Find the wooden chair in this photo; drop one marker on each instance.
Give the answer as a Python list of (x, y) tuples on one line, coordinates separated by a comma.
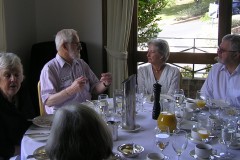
[(41, 106)]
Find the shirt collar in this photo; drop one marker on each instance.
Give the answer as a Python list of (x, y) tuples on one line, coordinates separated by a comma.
[(237, 70), (62, 62)]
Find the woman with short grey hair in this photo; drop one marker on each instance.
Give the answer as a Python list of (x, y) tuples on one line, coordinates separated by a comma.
[(157, 70), (78, 132), (13, 124)]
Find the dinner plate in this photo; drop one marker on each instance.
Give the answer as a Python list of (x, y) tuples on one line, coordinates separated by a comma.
[(162, 96), (187, 125), (43, 121), (89, 104), (192, 154), (40, 154), (220, 103), (114, 156), (137, 128), (39, 137)]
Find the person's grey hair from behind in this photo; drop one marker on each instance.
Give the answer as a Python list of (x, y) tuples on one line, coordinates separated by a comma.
[(11, 61), (235, 41), (162, 47), (65, 36), (78, 132)]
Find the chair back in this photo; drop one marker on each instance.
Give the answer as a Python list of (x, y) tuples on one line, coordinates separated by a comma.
[(41, 106)]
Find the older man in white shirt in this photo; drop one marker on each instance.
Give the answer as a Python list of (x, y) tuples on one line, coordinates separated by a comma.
[(223, 81)]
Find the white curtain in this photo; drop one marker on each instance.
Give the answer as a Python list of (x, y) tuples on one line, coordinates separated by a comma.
[(2, 28), (119, 19)]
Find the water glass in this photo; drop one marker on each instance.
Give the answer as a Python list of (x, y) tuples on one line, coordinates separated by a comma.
[(179, 97), (200, 99), (118, 101), (140, 96), (228, 135), (103, 105), (204, 127), (179, 113)]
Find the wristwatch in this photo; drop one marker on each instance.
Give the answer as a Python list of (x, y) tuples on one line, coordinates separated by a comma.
[(106, 85)]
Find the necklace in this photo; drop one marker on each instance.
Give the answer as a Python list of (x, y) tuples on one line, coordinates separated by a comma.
[(159, 69)]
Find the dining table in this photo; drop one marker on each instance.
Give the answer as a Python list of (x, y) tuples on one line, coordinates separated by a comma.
[(143, 135)]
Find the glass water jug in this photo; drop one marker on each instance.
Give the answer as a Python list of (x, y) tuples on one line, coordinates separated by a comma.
[(167, 116)]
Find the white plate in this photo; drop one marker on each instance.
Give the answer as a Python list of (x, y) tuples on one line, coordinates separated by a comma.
[(43, 121), (187, 125), (220, 103), (162, 96), (89, 104), (192, 154), (39, 137), (137, 128), (115, 156)]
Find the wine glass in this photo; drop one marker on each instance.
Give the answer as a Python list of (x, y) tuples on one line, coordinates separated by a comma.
[(228, 134), (179, 142), (200, 99), (162, 135), (204, 127), (179, 97)]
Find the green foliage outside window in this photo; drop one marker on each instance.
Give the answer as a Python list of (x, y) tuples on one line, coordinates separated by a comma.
[(186, 71), (148, 11)]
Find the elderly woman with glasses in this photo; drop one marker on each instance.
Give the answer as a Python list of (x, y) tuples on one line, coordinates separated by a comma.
[(67, 78), (78, 132), (12, 122), (157, 70), (223, 81)]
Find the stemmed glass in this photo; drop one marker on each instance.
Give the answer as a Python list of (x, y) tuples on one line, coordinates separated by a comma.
[(162, 135), (179, 142), (228, 135), (200, 99), (179, 97)]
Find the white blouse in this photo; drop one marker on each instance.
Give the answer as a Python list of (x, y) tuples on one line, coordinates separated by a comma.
[(169, 79)]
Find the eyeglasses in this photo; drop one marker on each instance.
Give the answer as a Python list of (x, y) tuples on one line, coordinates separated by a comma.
[(78, 44), (223, 50)]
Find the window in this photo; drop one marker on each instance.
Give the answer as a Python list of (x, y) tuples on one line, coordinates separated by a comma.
[(2, 28)]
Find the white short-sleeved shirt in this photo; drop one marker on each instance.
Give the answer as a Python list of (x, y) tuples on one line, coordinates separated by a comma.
[(220, 84), (57, 75)]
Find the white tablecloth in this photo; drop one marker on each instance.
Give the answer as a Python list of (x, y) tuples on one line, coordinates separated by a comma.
[(144, 137)]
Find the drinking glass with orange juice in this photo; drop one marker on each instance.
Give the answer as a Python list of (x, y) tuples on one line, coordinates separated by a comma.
[(200, 99)]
